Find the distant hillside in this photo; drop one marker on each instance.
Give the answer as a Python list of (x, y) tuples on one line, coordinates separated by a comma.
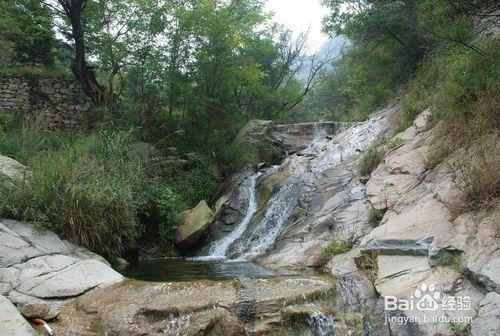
[(331, 49)]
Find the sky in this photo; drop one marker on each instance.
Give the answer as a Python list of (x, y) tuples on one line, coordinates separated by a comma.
[(298, 16)]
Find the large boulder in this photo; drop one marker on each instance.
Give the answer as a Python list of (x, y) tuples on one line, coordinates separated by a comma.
[(40, 273), (195, 223)]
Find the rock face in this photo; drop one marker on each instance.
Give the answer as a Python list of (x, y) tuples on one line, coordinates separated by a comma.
[(421, 245), (195, 222), (41, 273), (295, 137)]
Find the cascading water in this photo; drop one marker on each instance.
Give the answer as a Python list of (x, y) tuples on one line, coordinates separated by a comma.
[(255, 235), (219, 248), (321, 324)]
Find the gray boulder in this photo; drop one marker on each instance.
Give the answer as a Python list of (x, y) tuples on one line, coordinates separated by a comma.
[(195, 223)]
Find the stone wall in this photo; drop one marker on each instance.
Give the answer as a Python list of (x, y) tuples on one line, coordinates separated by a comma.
[(47, 102)]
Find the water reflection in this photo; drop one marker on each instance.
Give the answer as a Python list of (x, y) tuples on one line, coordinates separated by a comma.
[(179, 269)]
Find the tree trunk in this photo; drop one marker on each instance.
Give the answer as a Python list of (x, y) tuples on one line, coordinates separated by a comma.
[(73, 10)]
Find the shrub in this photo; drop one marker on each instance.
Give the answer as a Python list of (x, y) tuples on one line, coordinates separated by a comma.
[(237, 155), (89, 192), (375, 216), (339, 247), (477, 173), (463, 88), (452, 259), (370, 160), (334, 248)]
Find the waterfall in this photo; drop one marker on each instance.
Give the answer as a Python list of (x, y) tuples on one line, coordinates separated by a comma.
[(219, 248), (255, 235), (321, 324)]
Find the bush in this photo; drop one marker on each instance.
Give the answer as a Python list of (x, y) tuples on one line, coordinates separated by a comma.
[(477, 173), (334, 248), (370, 160), (88, 192), (339, 247), (237, 155), (375, 216), (463, 88)]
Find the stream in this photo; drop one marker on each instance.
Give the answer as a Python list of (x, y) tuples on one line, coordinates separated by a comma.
[(231, 256)]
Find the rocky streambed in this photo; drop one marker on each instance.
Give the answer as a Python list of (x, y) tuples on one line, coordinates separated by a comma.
[(308, 210)]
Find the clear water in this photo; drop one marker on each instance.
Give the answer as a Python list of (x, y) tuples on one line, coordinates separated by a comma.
[(219, 248), (177, 269), (257, 234)]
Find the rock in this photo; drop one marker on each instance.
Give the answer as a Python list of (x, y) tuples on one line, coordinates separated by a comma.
[(487, 322), (237, 307), (195, 223), (364, 179), (11, 167), (11, 322), (33, 307), (71, 281), (254, 132), (41, 273), (262, 165), (220, 203)]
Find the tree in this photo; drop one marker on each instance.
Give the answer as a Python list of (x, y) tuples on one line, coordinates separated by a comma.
[(27, 24), (73, 11)]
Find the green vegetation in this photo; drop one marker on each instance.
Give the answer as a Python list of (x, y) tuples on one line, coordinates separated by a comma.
[(94, 190), (339, 247), (375, 216), (459, 329), (452, 259), (39, 70), (370, 160), (334, 248), (391, 43)]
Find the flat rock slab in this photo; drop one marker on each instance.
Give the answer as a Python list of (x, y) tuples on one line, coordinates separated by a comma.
[(141, 308)]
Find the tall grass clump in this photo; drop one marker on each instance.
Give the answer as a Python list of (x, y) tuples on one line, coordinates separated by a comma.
[(370, 160), (92, 191)]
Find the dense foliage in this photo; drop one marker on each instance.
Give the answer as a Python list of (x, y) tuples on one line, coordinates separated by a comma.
[(389, 42)]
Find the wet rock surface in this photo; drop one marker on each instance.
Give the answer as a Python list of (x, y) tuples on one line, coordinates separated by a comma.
[(237, 307)]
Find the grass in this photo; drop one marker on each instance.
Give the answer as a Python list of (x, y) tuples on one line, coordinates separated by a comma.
[(463, 89), (92, 190), (452, 259), (334, 248), (370, 160), (339, 247), (375, 216), (476, 173)]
